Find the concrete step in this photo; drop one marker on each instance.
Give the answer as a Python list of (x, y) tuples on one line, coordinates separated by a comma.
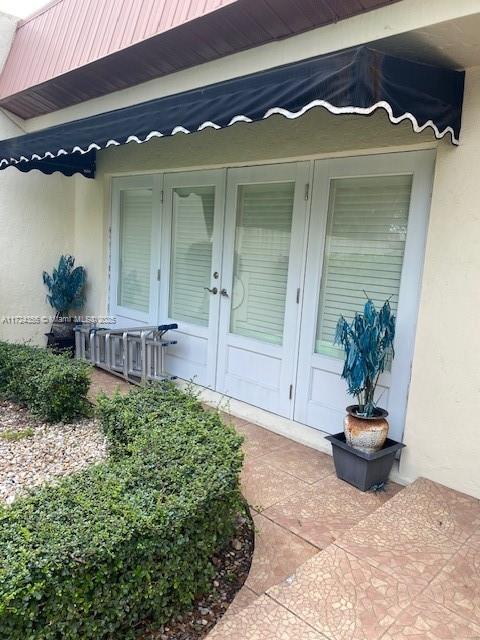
[(410, 569)]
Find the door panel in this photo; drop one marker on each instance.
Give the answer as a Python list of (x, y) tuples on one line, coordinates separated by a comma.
[(264, 229), (367, 234), (193, 228)]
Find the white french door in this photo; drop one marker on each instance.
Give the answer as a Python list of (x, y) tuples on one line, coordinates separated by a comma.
[(193, 217), (367, 234), (262, 261), (256, 294)]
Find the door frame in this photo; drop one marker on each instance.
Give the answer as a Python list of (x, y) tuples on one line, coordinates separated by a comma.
[(420, 164)]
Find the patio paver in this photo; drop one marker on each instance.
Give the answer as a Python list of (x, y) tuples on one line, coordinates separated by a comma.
[(426, 620), (103, 382), (258, 441), (338, 564), (264, 620), (397, 546), (302, 462), (278, 552), (243, 599), (324, 511), (343, 597), (457, 586), (264, 485), (431, 504)]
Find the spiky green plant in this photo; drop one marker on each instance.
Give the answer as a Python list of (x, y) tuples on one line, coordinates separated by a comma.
[(368, 343), (66, 286)]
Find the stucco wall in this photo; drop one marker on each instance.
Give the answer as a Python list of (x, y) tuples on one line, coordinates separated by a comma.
[(443, 426), (36, 219), (37, 226)]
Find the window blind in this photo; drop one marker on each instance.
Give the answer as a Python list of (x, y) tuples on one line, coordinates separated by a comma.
[(262, 247), (134, 255), (191, 254), (365, 244)]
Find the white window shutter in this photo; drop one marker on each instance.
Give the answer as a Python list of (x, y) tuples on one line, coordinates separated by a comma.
[(191, 253), (262, 248), (365, 243), (134, 256)]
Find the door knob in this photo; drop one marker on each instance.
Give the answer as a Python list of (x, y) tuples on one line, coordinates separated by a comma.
[(224, 293), (214, 290)]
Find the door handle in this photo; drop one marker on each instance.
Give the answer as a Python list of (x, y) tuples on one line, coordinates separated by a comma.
[(214, 290), (224, 293)]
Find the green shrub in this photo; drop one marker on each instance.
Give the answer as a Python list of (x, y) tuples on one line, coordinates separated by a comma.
[(129, 539), (54, 387)]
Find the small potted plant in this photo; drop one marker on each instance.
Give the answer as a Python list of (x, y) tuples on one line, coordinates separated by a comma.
[(363, 454), (66, 287)]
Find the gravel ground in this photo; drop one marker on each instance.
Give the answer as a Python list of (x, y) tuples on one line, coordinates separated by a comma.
[(33, 452)]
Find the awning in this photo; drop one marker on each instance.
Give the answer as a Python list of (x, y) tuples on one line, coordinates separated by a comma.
[(355, 81)]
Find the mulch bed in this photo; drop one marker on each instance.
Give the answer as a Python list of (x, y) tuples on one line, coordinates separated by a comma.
[(232, 566)]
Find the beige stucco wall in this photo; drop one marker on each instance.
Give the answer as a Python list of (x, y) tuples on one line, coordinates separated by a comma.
[(37, 226), (443, 426)]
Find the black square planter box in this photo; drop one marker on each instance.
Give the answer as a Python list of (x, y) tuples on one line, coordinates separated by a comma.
[(363, 470)]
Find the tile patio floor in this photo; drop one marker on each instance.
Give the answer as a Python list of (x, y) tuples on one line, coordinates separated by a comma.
[(332, 563)]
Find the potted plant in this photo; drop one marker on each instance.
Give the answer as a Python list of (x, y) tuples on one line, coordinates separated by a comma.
[(363, 454), (66, 286)]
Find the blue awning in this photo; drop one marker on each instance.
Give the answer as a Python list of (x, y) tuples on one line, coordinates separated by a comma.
[(355, 81)]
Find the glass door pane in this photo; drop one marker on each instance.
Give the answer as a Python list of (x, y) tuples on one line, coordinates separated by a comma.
[(191, 253), (364, 248), (261, 257), (135, 231)]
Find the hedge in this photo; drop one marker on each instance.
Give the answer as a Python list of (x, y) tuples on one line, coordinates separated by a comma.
[(129, 539), (54, 387)]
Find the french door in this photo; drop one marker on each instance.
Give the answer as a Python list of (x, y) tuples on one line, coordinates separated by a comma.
[(262, 261), (366, 238), (256, 268), (231, 268), (191, 263), (135, 250)]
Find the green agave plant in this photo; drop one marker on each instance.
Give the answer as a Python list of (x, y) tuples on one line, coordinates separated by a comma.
[(65, 286), (368, 343)]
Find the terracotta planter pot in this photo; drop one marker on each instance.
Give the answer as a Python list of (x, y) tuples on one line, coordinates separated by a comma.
[(365, 434)]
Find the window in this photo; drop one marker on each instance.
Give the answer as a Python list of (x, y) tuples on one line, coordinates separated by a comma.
[(365, 243), (262, 247), (191, 256), (135, 226)]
